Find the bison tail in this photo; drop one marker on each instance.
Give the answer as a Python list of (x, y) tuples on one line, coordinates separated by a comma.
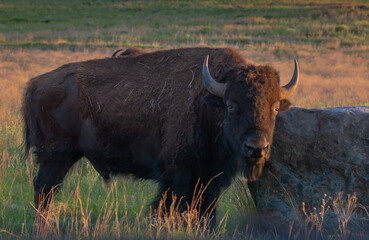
[(26, 144), (27, 127)]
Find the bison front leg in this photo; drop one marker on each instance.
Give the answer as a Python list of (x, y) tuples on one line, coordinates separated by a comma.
[(50, 176), (210, 198), (198, 200)]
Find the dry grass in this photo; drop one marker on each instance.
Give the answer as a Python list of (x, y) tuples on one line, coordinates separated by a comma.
[(344, 211), (343, 206), (314, 220)]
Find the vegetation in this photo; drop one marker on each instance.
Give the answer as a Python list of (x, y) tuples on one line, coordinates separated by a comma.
[(329, 37), (97, 23)]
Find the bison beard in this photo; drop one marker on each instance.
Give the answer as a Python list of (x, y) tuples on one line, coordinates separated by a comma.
[(160, 116)]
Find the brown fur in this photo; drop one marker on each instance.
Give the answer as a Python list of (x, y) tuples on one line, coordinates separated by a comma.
[(150, 115), (153, 80)]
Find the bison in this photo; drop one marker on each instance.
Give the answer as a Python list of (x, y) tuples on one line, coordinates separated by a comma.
[(161, 115)]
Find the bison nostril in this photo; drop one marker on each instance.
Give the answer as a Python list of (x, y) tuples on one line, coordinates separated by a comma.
[(254, 150), (248, 150), (245, 145)]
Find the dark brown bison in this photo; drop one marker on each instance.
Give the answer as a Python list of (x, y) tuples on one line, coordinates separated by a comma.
[(162, 115)]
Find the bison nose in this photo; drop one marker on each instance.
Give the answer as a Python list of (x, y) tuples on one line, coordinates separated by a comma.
[(255, 150)]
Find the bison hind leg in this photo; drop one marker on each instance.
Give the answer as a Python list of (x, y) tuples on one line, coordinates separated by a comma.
[(52, 170)]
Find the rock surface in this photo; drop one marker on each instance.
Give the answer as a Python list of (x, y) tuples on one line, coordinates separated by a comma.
[(315, 152)]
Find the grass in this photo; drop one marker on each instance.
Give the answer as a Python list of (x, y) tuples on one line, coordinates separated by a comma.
[(95, 23), (328, 37)]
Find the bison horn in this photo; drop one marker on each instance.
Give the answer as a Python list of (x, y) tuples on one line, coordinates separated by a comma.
[(287, 90), (115, 52), (214, 87)]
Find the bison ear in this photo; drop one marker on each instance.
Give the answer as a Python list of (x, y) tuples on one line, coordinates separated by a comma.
[(214, 101), (285, 105)]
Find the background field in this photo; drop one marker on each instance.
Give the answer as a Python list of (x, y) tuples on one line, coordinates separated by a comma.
[(330, 38)]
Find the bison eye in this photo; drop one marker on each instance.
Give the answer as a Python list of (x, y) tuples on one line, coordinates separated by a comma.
[(231, 107), (275, 107)]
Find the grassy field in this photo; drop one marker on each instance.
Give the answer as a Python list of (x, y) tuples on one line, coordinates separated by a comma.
[(330, 38), (45, 24)]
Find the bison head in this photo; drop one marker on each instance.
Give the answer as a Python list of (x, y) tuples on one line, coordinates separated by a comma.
[(251, 98)]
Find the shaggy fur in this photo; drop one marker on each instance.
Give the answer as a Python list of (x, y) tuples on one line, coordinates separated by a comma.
[(150, 115)]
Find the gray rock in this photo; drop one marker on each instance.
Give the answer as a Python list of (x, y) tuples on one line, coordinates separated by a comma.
[(315, 152)]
